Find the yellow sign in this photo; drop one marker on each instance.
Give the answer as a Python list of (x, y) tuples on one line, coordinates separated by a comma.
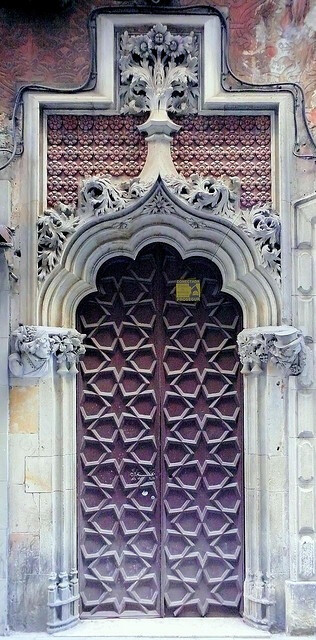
[(188, 291)]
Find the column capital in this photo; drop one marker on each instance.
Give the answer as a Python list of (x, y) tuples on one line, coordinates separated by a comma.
[(35, 347), (284, 346)]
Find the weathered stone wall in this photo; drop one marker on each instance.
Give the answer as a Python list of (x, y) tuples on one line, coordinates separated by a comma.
[(270, 41)]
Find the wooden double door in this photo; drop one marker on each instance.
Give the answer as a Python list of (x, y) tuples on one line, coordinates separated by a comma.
[(160, 515)]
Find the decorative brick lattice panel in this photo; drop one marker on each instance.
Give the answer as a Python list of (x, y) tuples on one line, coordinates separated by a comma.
[(160, 440), (80, 146)]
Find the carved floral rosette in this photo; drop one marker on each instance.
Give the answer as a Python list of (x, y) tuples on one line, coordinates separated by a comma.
[(36, 347)]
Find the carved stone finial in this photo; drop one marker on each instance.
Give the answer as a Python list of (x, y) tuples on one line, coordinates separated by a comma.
[(159, 74), (284, 346), (35, 347)]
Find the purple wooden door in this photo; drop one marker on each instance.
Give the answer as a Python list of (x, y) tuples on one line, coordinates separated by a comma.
[(159, 441)]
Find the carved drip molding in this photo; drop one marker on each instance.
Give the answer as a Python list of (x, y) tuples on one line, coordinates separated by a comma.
[(37, 347), (101, 196), (283, 346)]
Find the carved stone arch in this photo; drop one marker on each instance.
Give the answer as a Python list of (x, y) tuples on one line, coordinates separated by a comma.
[(189, 231)]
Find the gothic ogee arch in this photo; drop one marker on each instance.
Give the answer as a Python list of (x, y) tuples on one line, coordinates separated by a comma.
[(160, 215)]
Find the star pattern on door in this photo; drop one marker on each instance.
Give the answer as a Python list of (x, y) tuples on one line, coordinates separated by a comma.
[(202, 451), (119, 544), (159, 522)]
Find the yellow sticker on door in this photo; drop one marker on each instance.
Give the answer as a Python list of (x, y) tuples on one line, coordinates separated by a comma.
[(188, 291)]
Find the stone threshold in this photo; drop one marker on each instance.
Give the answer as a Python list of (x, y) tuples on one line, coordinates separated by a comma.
[(166, 628), (163, 628)]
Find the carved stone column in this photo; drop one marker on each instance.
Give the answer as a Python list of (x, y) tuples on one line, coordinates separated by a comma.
[(269, 355), (301, 586), (50, 354)]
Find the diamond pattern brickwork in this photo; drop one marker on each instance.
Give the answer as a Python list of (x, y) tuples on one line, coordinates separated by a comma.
[(159, 440), (80, 146)]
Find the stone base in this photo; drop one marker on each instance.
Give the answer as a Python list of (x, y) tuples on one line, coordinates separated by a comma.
[(300, 600)]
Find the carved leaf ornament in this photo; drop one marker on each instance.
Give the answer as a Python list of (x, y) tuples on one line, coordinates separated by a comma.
[(159, 70), (100, 196), (54, 227)]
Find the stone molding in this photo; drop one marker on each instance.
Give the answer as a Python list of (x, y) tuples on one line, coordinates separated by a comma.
[(283, 346), (37, 347)]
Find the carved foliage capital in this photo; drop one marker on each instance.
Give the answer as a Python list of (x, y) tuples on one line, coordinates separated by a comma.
[(283, 346), (36, 347)]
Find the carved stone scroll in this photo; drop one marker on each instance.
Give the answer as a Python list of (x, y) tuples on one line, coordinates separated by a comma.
[(284, 346), (209, 194), (36, 347), (101, 195)]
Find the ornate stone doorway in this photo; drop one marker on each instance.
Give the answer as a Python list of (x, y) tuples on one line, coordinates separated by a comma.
[(159, 442)]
